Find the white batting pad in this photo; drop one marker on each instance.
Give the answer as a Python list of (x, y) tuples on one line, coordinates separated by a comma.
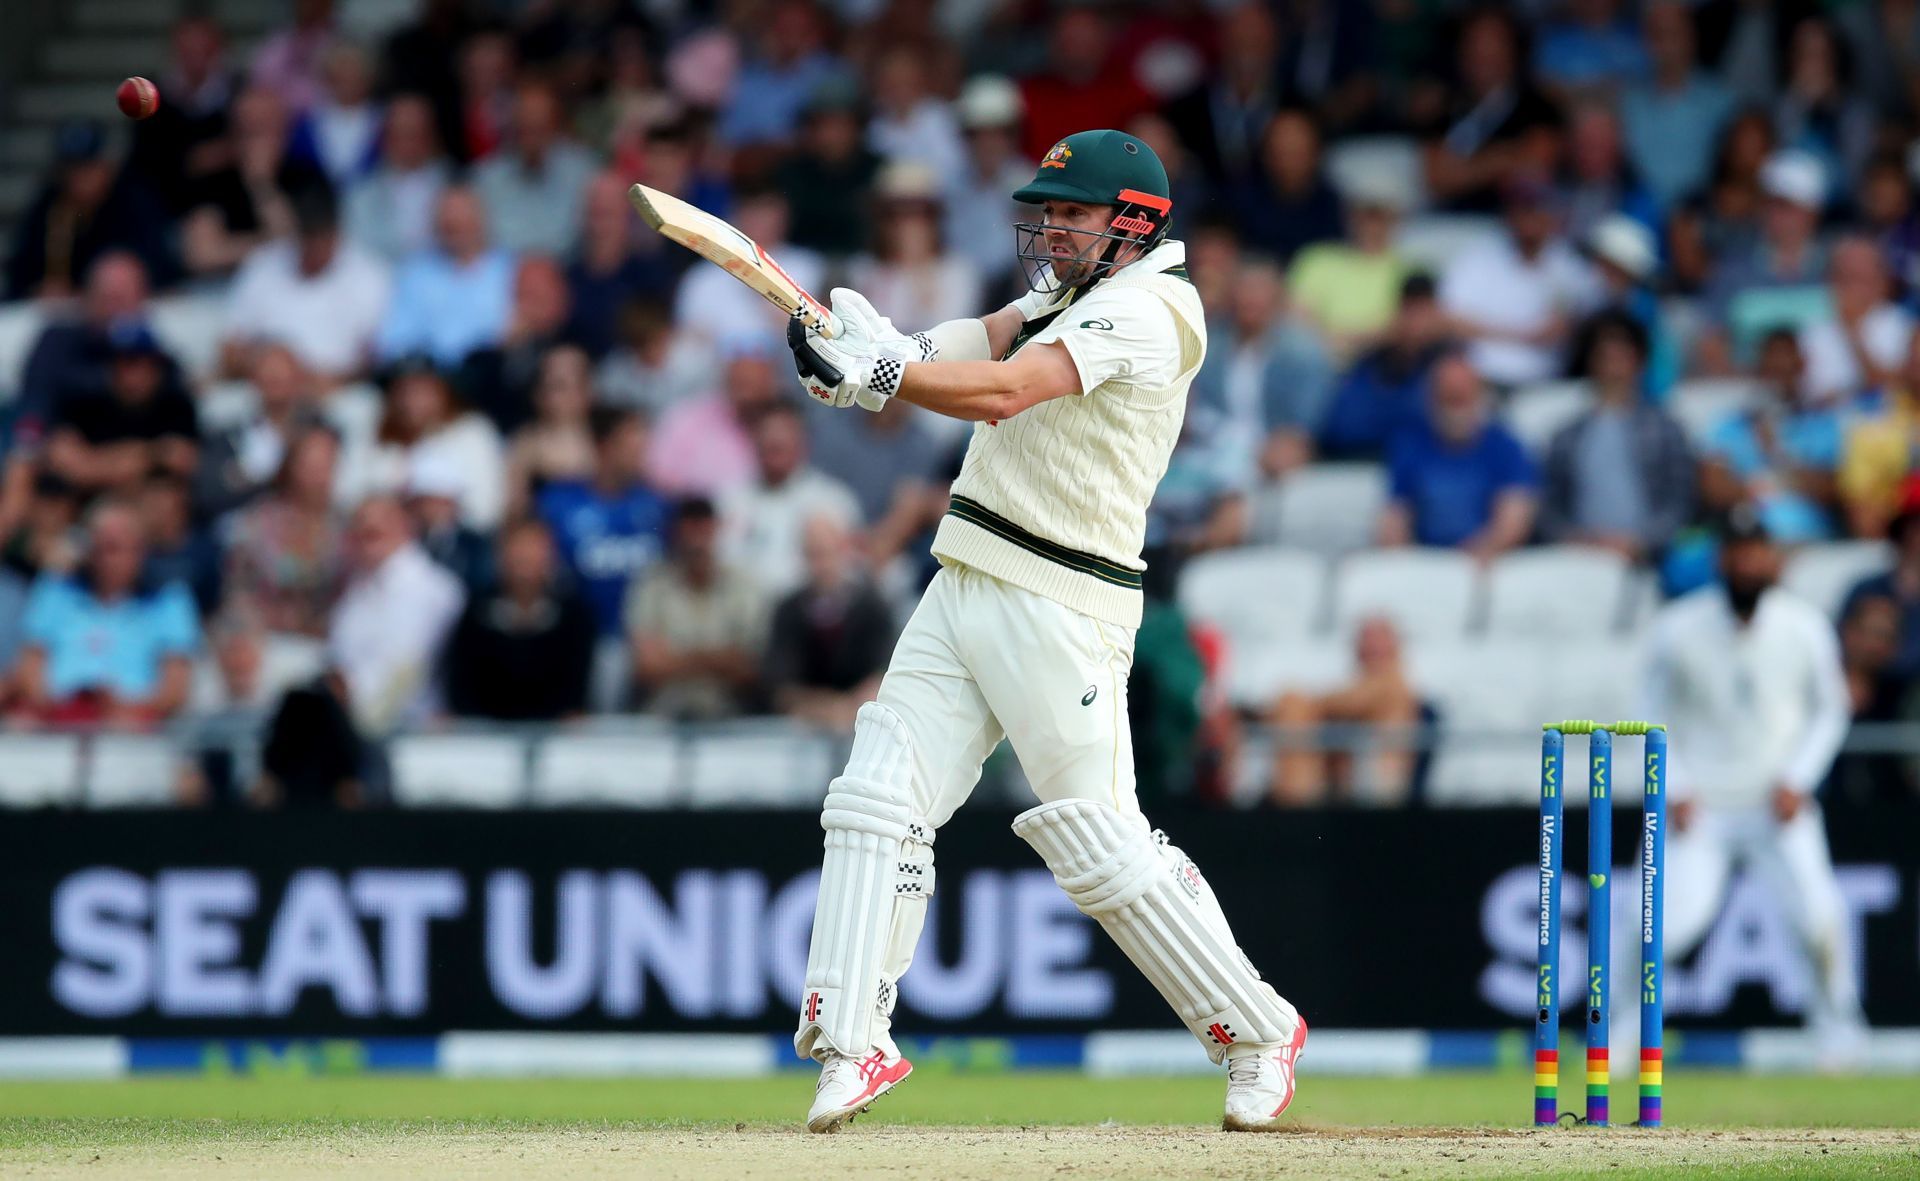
[(874, 882), (1151, 899)]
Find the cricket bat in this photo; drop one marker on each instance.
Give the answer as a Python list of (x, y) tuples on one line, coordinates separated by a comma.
[(717, 242)]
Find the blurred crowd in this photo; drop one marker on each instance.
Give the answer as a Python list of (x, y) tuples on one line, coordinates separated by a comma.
[(479, 445)]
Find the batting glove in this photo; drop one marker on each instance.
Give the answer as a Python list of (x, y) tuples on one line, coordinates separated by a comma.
[(847, 371)]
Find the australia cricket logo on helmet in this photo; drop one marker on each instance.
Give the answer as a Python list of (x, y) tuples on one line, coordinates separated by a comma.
[(1103, 168)]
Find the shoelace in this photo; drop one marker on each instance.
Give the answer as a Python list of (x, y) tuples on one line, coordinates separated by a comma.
[(1244, 1072)]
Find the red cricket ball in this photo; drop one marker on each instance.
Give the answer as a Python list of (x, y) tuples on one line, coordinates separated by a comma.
[(138, 98)]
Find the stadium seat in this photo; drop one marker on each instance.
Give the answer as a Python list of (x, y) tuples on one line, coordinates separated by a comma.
[(38, 770), (1823, 574), (1558, 591), (1430, 241), (128, 771), (1482, 689), (190, 327), (1257, 594), (20, 324), (759, 765), (1256, 674), (1536, 413), (1330, 508), (1394, 156), (1702, 405), (1428, 593), (613, 770), (458, 770)]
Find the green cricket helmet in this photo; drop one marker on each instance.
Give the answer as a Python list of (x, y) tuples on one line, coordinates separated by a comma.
[(1097, 168)]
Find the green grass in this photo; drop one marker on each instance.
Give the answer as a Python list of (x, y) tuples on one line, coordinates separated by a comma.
[(1489, 1099)]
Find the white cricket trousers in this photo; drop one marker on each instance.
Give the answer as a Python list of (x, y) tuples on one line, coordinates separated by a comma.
[(982, 659)]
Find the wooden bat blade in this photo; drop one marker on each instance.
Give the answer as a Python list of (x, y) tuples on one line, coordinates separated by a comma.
[(720, 243)]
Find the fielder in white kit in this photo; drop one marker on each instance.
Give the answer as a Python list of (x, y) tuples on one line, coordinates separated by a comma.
[(1077, 391), (1748, 676)]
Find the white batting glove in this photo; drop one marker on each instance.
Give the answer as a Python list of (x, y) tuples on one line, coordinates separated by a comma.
[(860, 320), (845, 371)]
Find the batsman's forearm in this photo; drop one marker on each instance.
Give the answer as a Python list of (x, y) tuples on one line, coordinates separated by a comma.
[(973, 391)]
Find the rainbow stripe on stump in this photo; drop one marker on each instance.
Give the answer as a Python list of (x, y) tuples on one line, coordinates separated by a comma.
[(1650, 1073), (1546, 1086), (1598, 1081)]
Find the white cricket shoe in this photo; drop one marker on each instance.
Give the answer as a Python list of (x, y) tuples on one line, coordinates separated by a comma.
[(1259, 1086), (848, 1086)]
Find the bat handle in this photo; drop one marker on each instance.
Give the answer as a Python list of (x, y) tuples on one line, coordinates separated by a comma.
[(822, 320)]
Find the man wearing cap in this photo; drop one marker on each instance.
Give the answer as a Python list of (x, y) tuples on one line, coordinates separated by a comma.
[(1748, 678), (86, 208), (1076, 391), (1777, 281), (978, 207)]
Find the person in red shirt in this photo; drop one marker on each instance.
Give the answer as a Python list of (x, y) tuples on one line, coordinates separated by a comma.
[(1084, 84)]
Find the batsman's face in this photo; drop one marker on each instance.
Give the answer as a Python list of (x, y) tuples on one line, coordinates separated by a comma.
[(1073, 239)]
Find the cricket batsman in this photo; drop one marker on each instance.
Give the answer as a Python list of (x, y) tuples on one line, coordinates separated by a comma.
[(1077, 391)]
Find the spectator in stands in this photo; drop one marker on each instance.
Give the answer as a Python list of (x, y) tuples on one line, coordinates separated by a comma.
[(1870, 643), (712, 305), (1723, 219), (1350, 289), (761, 522), (485, 102), (1620, 476), (1513, 297), (1672, 117), (910, 123), (339, 135), (71, 357), (285, 558), (499, 379), (1083, 84), (524, 651), (607, 272), (704, 445), (830, 639), (533, 185), (1599, 178), (557, 445), (1288, 204), (611, 527), (911, 277), (1860, 343), (388, 629), (433, 491), (1776, 280), (241, 461), (177, 552), (1901, 584), (1888, 217), (184, 140), (890, 461), (1195, 507), (828, 179), (425, 57), (1626, 261), (697, 625), (316, 292), (291, 62), (1263, 388), (1314, 768), (979, 204), (653, 367), (43, 543), (423, 415), (86, 208), (1384, 389), (789, 61), (1877, 454), (1781, 455), (390, 209), (1817, 111), (144, 422), (1592, 50), (1458, 477), (244, 201), (1224, 119), (105, 647), (313, 755), (453, 299), (1187, 186), (1496, 125), (615, 122)]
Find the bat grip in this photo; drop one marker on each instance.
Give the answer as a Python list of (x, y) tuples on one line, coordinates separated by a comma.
[(811, 362)]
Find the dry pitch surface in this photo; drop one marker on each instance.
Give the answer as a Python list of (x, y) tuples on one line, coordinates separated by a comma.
[(433, 1128)]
